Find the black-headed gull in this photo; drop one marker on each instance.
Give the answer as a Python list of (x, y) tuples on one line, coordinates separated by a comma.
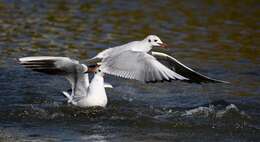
[(84, 94), (134, 60)]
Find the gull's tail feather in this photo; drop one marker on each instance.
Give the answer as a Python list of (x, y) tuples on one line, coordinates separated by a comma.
[(68, 96)]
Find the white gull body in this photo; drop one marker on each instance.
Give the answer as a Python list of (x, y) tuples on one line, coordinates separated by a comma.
[(95, 94), (134, 60), (84, 93)]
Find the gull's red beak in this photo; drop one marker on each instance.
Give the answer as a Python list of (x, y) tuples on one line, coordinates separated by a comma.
[(163, 45)]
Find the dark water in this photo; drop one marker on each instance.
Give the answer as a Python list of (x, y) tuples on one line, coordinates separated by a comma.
[(217, 38)]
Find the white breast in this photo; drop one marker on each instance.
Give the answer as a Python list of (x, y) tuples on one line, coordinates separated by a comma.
[(96, 95)]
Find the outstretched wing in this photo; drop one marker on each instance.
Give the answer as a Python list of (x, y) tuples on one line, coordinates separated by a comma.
[(69, 68), (51, 65), (178, 67), (138, 65)]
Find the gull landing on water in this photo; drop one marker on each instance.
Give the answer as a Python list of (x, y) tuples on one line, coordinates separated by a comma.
[(134, 60), (84, 94)]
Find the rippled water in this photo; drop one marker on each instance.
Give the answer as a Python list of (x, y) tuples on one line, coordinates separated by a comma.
[(217, 38)]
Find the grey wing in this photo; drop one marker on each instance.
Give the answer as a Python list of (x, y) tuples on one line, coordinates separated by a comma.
[(178, 67), (139, 66), (50, 65), (69, 68)]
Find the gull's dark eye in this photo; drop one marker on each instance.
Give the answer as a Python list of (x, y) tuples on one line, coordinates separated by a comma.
[(155, 40), (99, 70), (149, 40)]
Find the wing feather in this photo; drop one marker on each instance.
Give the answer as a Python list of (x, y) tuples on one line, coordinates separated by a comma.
[(138, 65), (181, 69), (50, 65), (69, 68)]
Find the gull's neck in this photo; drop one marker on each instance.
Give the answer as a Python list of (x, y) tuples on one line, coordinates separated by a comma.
[(86, 79)]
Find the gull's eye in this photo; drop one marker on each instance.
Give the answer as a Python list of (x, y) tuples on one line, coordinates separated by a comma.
[(155, 40), (99, 70), (149, 40)]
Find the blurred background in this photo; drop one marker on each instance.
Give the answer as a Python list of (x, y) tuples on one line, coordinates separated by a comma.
[(217, 38)]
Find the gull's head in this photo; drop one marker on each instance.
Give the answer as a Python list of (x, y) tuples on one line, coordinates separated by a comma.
[(155, 41), (99, 72)]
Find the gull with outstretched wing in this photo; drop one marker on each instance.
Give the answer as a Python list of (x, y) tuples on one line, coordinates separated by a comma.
[(134, 60), (84, 94)]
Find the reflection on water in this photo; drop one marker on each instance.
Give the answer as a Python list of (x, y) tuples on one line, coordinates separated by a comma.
[(217, 38)]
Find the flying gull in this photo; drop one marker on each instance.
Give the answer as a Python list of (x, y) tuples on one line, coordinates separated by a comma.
[(135, 60)]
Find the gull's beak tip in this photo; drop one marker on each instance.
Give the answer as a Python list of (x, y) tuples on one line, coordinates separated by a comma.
[(163, 45)]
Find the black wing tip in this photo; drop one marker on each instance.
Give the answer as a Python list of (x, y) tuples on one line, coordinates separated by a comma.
[(212, 80), (159, 81), (221, 81), (207, 81), (46, 66), (193, 76), (188, 81), (17, 60)]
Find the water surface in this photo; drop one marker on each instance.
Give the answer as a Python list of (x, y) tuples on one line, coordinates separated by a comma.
[(217, 38)]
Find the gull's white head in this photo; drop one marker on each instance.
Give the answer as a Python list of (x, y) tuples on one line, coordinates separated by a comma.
[(99, 72), (155, 41)]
